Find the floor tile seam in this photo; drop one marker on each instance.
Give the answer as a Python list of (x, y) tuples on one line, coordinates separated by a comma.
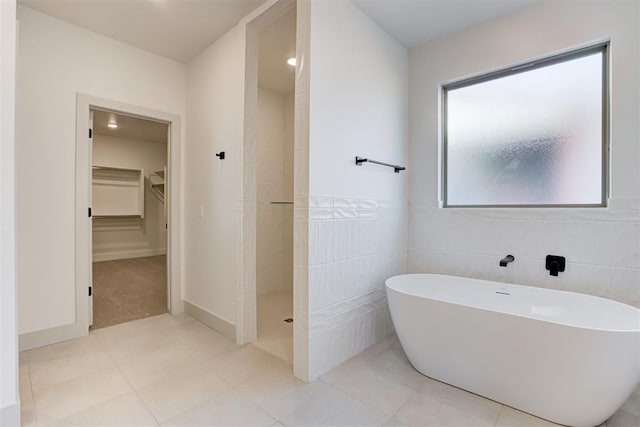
[(244, 382), (60, 356), (30, 384), (369, 406), (192, 407), (53, 421), (75, 376), (244, 386), (255, 405), (413, 394), (499, 414), (627, 413), (35, 413), (206, 359), (135, 391), (264, 409), (358, 399)]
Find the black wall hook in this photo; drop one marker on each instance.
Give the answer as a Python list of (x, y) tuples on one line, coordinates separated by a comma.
[(220, 155)]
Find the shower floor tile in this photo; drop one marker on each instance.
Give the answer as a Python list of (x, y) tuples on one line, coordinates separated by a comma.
[(275, 336)]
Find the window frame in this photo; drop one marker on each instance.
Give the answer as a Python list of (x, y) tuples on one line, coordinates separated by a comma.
[(602, 47)]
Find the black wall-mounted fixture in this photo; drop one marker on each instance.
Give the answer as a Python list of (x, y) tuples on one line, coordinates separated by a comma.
[(555, 264), (361, 160), (220, 155), (506, 260)]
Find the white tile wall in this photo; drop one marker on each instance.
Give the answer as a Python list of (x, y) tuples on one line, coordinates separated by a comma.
[(354, 245), (274, 252), (602, 246)]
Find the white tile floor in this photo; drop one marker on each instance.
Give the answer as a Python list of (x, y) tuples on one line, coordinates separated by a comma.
[(275, 336), (174, 371)]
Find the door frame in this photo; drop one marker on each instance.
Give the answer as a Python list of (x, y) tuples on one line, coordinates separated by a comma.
[(84, 251), (246, 316), (246, 320)]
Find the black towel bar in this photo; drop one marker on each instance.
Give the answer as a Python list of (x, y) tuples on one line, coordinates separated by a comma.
[(361, 160)]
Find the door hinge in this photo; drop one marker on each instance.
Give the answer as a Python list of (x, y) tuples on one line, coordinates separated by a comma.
[(89, 212), (90, 133), (90, 290)]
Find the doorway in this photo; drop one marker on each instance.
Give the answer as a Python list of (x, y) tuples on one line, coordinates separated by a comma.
[(274, 185), (137, 196), (129, 218)]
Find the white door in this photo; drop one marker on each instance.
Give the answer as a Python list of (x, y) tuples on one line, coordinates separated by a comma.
[(90, 222)]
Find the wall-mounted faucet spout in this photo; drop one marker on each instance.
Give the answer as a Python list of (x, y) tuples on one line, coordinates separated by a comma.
[(506, 260)]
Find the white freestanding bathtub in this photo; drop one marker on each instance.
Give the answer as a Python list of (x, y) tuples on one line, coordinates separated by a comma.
[(570, 358)]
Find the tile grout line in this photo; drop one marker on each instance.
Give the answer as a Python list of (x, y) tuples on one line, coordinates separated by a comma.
[(499, 414), (33, 400), (135, 391)]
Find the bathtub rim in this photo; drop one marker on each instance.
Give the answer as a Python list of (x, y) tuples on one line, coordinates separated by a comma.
[(479, 307)]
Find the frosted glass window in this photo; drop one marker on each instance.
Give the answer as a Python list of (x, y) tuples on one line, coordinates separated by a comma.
[(534, 135)]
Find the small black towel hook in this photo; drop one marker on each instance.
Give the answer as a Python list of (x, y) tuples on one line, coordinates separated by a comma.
[(220, 155)]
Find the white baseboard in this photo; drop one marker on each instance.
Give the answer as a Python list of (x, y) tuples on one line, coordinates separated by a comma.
[(137, 253), (10, 415), (29, 340), (221, 325)]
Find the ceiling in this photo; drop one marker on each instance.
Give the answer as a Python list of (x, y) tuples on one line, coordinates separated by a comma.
[(277, 44), (176, 29), (414, 22), (180, 29), (129, 127)]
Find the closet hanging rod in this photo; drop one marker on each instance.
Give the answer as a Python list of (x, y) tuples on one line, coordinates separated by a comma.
[(396, 168)]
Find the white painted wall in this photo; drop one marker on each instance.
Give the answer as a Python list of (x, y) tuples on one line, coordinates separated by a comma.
[(602, 246), (9, 400), (212, 186), (117, 238), (357, 215), (274, 222), (56, 61)]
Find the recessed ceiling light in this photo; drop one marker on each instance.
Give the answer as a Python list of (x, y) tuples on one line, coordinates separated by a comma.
[(291, 61), (112, 125)]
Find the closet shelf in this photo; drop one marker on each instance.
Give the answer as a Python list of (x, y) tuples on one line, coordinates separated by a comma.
[(111, 216), (117, 191), (156, 184)]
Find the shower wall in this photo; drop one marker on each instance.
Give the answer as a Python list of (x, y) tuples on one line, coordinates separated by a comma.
[(274, 176)]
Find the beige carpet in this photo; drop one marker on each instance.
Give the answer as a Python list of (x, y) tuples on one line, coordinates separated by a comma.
[(128, 289)]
